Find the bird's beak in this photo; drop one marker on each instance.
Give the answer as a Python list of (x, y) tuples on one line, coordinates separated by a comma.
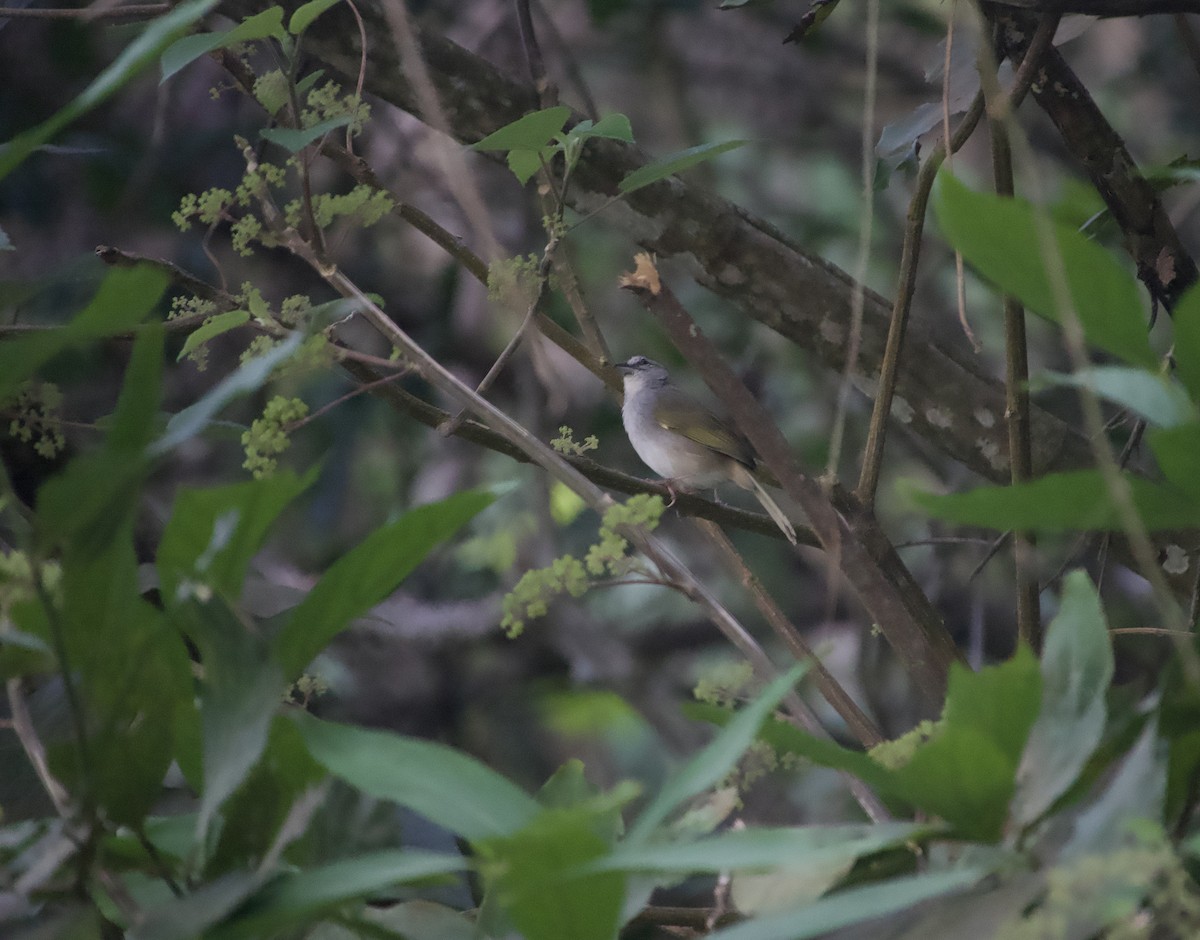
[(623, 367)]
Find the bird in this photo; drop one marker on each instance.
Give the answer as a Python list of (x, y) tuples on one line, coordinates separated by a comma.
[(683, 441)]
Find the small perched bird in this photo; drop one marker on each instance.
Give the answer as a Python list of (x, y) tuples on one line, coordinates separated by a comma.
[(680, 439)]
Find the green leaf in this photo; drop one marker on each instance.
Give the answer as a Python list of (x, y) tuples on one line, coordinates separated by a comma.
[(535, 875), (611, 126), (716, 759), (213, 533), (248, 378), (568, 788), (241, 691), (363, 577), (1077, 666), (446, 786), (966, 774), (96, 494), (1136, 791), (675, 163), (135, 57), (306, 13), (252, 815), (293, 141), (1000, 237), (301, 898), (187, 50), (136, 415), (794, 848), (525, 163), (531, 132), (1177, 451), (1185, 324), (132, 673), (853, 906), (1160, 400), (1077, 499), (124, 299), (212, 327), (188, 917)]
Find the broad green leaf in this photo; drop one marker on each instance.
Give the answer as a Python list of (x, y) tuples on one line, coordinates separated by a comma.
[(1185, 324), (296, 899), (853, 906), (188, 917), (966, 774), (363, 577), (212, 327), (999, 237), (89, 500), (1177, 451), (535, 876), (792, 848), (135, 57), (1162, 401), (213, 533), (136, 416), (1179, 724), (675, 163), (252, 815), (531, 132), (124, 299), (979, 913), (1076, 499), (1077, 666), (444, 785), (306, 14), (187, 50), (248, 378), (96, 494), (715, 760), (1136, 791), (241, 691), (293, 141), (131, 671), (612, 126), (423, 919), (525, 163)]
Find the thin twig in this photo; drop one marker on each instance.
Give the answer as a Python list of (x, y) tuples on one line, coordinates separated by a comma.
[(569, 62), (31, 744), (362, 68), (859, 723), (533, 56), (866, 219), (475, 266), (797, 710), (453, 164), (868, 481), (365, 388), (1016, 357)]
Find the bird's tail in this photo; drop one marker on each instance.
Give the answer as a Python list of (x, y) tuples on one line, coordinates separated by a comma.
[(773, 510)]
